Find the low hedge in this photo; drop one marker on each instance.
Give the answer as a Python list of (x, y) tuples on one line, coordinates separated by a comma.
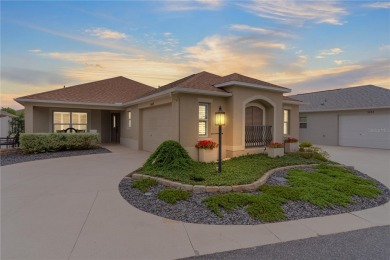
[(51, 142)]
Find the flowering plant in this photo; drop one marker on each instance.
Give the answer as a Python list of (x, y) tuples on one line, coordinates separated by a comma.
[(291, 140), (275, 145), (206, 144)]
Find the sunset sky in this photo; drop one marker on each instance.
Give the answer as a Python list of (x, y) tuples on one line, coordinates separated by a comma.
[(304, 45)]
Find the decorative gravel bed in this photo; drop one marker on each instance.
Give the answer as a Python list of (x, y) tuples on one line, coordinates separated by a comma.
[(193, 210), (19, 156)]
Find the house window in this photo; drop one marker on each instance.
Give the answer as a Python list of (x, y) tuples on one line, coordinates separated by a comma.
[(303, 122), (286, 121), (129, 118), (64, 120), (203, 119)]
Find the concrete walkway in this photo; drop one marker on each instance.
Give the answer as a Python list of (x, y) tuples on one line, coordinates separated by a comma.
[(70, 208)]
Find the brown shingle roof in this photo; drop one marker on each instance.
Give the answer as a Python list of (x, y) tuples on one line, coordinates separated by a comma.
[(201, 81), (110, 91), (123, 90), (245, 79)]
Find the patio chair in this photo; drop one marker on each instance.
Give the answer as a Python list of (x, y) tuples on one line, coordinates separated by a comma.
[(11, 140)]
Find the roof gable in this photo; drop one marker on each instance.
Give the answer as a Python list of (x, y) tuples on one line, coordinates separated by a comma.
[(108, 91), (238, 79), (367, 96), (200, 81)]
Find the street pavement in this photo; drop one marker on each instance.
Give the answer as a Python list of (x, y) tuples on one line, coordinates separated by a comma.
[(370, 243)]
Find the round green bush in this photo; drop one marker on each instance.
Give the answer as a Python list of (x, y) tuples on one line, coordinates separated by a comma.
[(170, 155), (305, 144)]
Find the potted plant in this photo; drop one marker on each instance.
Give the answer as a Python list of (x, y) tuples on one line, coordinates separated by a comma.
[(291, 145), (275, 149), (206, 150)]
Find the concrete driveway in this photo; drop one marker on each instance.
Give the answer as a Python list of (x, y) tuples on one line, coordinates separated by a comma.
[(70, 208)]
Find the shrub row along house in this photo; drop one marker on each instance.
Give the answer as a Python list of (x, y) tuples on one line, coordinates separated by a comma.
[(141, 117)]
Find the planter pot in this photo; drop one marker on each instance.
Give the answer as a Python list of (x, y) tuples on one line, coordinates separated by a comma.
[(206, 155), (291, 147), (274, 152)]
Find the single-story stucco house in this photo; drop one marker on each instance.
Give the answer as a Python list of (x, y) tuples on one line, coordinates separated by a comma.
[(356, 116), (141, 117)]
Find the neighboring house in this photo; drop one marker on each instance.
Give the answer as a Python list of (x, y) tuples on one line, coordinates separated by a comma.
[(5, 117), (357, 116), (136, 115)]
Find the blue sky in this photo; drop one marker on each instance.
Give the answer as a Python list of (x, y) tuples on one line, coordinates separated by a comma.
[(304, 45)]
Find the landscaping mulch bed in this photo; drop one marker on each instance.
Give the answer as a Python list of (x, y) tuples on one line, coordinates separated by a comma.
[(193, 210), (17, 156)]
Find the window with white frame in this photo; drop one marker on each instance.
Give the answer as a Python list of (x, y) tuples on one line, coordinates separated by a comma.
[(303, 122), (129, 118), (64, 120), (203, 119), (286, 121)]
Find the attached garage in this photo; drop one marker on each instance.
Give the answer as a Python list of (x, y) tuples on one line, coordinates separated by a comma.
[(157, 126), (355, 117), (365, 130)]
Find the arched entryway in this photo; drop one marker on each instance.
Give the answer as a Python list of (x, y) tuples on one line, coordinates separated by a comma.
[(257, 133)]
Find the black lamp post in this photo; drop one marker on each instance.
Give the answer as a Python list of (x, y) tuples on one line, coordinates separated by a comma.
[(220, 121)]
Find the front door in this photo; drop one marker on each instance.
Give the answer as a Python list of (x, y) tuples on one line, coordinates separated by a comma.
[(256, 134), (253, 116), (115, 128)]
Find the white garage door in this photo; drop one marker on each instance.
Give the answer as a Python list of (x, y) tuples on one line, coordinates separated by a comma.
[(365, 130), (157, 127)]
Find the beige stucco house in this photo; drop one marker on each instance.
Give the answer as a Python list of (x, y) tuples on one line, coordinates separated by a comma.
[(141, 117)]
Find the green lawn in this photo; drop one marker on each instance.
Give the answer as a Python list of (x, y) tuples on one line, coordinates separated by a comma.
[(239, 170), (326, 187)]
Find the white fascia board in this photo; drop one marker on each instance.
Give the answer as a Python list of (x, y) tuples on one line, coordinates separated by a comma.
[(178, 90), (67, 102), (251, 85), (344, 109)]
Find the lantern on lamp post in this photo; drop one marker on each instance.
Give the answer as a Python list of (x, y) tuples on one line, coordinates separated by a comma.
[(220, 121)]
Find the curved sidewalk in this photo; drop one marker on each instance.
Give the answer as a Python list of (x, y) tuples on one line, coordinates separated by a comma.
[(70, 208)]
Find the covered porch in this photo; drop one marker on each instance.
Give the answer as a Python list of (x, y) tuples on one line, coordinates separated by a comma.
[(50, 119), (258, 130)]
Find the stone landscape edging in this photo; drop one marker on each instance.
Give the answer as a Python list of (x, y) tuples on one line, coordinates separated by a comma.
[(221, 189)]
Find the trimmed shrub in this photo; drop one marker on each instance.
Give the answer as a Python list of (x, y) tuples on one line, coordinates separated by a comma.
[(172, 196), (312, 152), (52, 142), (170, 155), (305, 144)]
